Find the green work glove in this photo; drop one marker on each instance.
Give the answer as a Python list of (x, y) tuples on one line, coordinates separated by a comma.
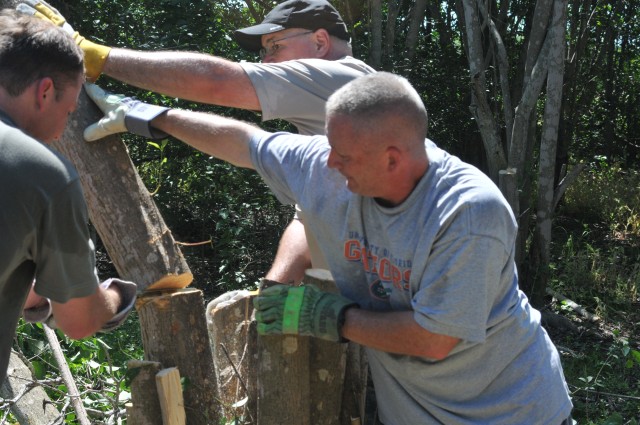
[(300, 310), (95, 55), (122, 114)]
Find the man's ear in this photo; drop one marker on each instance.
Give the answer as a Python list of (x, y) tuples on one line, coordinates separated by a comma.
[(322, 41), (393, 158), (45, 92)]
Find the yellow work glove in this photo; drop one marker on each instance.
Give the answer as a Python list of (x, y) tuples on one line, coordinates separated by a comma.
[(95, 55)]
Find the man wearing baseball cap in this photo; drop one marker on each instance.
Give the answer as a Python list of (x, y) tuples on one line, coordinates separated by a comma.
[(306, 56)]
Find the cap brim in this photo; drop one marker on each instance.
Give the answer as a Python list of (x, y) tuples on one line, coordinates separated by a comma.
[(250, 38)]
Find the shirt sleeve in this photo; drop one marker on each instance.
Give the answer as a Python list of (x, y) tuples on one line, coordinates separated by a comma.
[(460, 286), (65, 256), (297, 91)]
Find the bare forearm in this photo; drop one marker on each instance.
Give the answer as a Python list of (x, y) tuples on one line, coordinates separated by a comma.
[(187, 75), (217, 136), (81, 317), (395, 332), (293, 257)]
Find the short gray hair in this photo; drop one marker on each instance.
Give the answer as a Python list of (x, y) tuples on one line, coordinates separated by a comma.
[(369, 99)]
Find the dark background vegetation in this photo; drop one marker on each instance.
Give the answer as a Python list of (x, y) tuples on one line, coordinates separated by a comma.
[(231, 223)]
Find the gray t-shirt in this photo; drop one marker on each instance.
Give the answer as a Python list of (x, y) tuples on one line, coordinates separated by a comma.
[(44, 228), (297, 91), (447, 254)]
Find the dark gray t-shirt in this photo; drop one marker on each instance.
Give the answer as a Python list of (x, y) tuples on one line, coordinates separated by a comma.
[(43, 229), (447, 254)]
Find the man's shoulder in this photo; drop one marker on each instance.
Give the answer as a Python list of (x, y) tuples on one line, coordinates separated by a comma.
[(31, 159), (346, 64)]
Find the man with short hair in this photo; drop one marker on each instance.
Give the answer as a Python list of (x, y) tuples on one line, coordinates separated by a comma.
[(306, 53), (43, 216), (421, 246)]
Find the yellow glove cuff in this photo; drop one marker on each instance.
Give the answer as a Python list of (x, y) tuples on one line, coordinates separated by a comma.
[(95, 55)]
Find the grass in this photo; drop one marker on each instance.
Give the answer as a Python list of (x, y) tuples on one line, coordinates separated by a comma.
[(596, 263)]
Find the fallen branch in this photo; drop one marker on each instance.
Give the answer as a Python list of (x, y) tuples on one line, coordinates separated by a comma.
[(574, 306), (72, 389)]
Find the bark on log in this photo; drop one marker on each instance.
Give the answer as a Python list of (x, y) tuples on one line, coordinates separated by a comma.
[(304, 374), (174, 333), (31, 404), (134, 233), (327, 361), (144, 408), (233, 338)]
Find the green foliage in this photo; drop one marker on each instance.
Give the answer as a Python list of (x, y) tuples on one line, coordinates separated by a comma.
[(596, 263), (97, 364)]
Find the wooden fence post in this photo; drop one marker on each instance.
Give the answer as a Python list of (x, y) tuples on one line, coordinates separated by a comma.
[(299, 380), (174, 333)]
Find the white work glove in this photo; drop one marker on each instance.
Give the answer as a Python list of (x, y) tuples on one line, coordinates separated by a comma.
[(128, 292), (95, 55), (122, 114)]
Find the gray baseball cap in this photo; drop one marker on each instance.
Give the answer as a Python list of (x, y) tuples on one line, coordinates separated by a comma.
[(307, 14)]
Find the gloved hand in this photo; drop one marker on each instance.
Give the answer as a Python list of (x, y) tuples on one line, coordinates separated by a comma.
[(122, 114), (95, 55), (300, 310), (128, 290)]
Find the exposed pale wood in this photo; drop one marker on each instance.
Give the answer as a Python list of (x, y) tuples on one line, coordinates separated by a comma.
[(134, 233), (233, 338), (144, 408), (170, 396), (174, 333), (30, 403)]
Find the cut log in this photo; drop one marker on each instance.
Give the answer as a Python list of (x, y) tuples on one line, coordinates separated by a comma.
[(174, 333), (233, 337), (327, 361), (132, 229), (170, 395), (31, 404), (144, 408)]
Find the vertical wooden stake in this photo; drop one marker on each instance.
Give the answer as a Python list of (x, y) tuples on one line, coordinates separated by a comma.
[(170, 396)]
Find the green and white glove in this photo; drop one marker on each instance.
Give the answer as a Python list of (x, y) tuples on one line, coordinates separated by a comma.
[(95, 55), (301, 310), (122, 114)]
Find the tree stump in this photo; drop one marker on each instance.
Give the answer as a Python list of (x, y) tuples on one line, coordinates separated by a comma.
[(174, 333), (233, 337)]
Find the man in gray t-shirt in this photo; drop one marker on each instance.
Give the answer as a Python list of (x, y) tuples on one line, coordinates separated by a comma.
[(306, 56), (43, 216), (421, 246)]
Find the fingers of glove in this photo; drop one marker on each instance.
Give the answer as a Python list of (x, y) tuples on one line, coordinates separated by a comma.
[(271, 297), (111, 124), (271, 315), (269, 328), (276, 290), (44, 11), (264, 303), (105, 100)]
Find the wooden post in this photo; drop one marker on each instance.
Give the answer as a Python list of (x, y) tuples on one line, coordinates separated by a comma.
[(144, 408), (233, 337), (174, 333), (170, 395), (327, 361)]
